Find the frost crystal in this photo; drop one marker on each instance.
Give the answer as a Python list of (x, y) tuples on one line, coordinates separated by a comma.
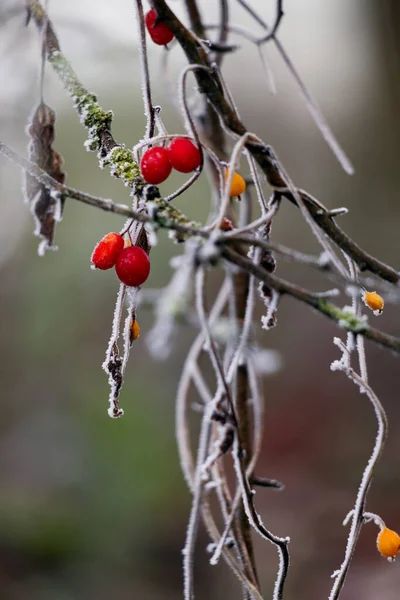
[(209, 252), (225, 330), (210, 548), (152, 234), (269, 320), (112, 363), (172, 304), (115, 414), (335, 574), (266, 362)]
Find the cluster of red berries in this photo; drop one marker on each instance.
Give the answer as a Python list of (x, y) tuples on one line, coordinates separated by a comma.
[(132, 264), (157, 162), (159, 32)]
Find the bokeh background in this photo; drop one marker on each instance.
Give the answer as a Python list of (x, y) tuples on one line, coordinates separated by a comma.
[(92, 508)]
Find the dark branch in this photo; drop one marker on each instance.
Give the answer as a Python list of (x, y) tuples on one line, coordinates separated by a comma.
[(345, 319), (263, 154)]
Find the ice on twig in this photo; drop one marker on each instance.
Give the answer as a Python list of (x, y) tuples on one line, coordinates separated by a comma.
[(172, 304)]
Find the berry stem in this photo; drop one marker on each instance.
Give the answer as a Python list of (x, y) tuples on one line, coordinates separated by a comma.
[(145, 74)]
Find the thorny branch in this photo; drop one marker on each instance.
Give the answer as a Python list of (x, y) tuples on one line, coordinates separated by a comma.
[(210, 86), (162, 217), (231, 426)]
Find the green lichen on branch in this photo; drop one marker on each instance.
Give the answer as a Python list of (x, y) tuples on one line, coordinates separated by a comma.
[(98, 124), (167, 216), (96, 120), (344, 317), (123, 165)]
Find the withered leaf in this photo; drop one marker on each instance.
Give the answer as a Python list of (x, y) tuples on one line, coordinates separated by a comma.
[(134, 329), (268, 262), (46, 205), (143, 241), (114, 368)]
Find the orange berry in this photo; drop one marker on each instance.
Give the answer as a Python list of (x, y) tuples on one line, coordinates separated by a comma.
[(388, 543), (135, 330), (226, 225), (238, 185), (374, 301)]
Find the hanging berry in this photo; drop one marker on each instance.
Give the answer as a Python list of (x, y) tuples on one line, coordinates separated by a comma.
[(238, 184), (134, 331), (159, 32), (155, 165), (184, 156), (374, 301), (388, 543), (107, 251), (132, 266)]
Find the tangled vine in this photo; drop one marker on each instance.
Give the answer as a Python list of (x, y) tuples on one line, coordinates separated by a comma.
[(214, 142)]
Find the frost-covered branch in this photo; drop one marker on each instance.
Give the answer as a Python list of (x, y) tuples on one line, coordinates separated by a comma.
[(237, 242), (123, 165), (342, 317), (163, 214), (209, 86), (96, 120), (168, 217), (357, 518)]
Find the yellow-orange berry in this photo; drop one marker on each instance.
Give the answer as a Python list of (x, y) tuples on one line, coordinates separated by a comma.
[(135, 330), (127, 243), (388, 542), (238, 184), (226, 225), (374, 301)]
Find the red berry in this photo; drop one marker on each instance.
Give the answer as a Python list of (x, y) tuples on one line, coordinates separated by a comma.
[(155, 165), (184, 156), (107, 251), (133, 266), (159, 32)]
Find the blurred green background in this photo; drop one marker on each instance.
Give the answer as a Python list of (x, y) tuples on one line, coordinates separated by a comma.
[(92, 508)]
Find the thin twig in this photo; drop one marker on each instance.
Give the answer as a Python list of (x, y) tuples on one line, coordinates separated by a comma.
[(145, 74), (343, 318), (256, 522), (184, 445), (209, 86), (358, 511), (310, 103), (275, 25), (223, 28), (173, 221)]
